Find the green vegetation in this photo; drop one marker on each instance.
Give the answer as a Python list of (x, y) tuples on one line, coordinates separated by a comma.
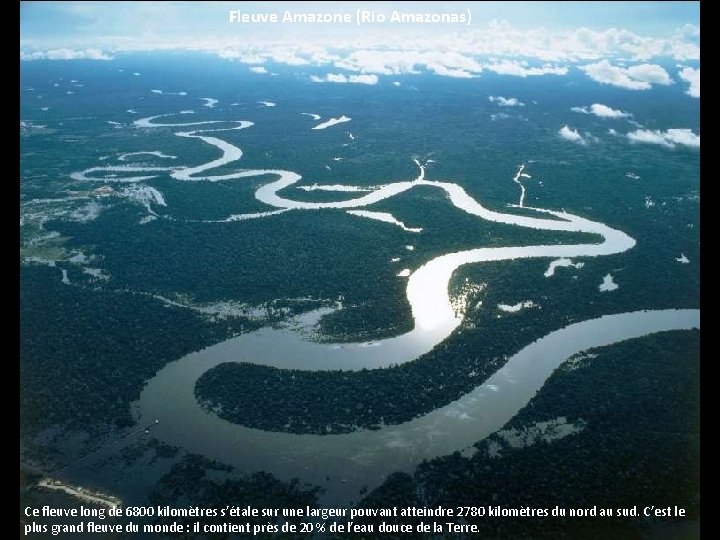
[(77, 368), (337, 402), (88, 347), (640, 446), (198, 482)]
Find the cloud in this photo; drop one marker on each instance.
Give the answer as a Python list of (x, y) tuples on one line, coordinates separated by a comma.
[(691, 76), (390, 50), (506, 102), (392, 61), (66, 54), (651, 73), (601, 111), (669, 138), (571, 135), (688, 31), (639, 77), (389, 62), (244, 57), (330, 77), (287, 56), (363, 79), (614, 42), (148, 26), (343, 79), (258, 69), (518, 69), (439, 69), (444, 63), (255, 54), (396, 61)]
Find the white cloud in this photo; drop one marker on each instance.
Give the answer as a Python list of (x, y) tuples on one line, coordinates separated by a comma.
[(688, 31), (66, 54), (506, 102), (240, 56), (669, 138), (343, 79), (458, 49), (397, 50), (396, 83), (651, 73), (396, 61), (585, 43), (439, 69), (336, 78), (639, 77), (318, 55), (571, 135), (601, 111), (258, 69), (287, 56), (363, 79), (507, 67), (382, 62), (300, 54), (691, 76)]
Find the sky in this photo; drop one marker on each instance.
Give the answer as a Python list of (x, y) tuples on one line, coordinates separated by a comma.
[(62, 24), (632, 45)]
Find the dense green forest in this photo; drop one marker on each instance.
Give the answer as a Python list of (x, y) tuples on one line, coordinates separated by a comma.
[(639, 446), (616, 459), (330, 402), (115, 284), (77, 369), (317, 254), (196, 481)]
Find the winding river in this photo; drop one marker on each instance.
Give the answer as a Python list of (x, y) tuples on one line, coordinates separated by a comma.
[(344, 463)]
